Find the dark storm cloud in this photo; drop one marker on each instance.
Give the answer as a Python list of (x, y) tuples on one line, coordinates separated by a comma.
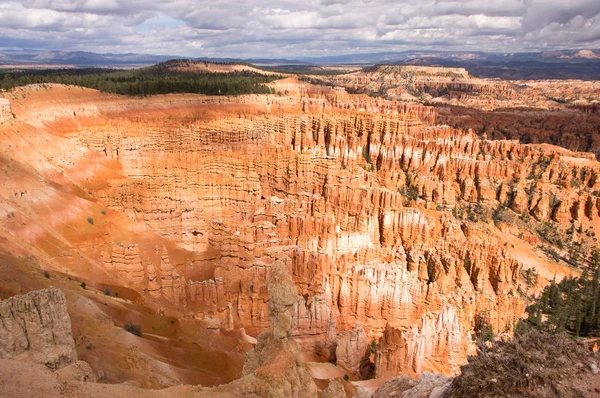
[(298, 28)]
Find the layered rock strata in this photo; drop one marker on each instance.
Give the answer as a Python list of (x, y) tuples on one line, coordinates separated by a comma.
[(377, 212), (351, 349), (335, 203), (437, 344), (415, 83)]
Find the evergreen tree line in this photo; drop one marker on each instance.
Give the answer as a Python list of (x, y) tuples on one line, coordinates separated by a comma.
[(572, 305), (145, 81)]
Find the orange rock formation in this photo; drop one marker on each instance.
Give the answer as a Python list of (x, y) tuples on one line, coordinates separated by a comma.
[(189, 200)]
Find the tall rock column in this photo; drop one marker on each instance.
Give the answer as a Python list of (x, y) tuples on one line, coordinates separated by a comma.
[(351, 349), (275, 366)]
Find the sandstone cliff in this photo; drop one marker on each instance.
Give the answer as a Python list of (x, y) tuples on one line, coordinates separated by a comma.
[(36, 327), (351, 349)]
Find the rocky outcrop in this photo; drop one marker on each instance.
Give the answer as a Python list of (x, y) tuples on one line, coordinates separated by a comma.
[(351, 348), (334, 389), (274, 367), (549, 365), (438, 342), (78, 371), (428, 385), (36, 327)]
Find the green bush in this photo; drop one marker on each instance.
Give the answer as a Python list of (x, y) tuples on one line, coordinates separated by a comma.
[(483, 328)]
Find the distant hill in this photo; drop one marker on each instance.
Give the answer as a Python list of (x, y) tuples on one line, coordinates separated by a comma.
[(77, 58), (193, 66), (563, 64)]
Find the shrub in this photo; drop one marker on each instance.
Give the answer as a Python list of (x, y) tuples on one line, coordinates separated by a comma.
[(483, 328), (373, 346), (83, 285), (47, 274), (90, 220), (133, 328), (107, 291), (533, 365)]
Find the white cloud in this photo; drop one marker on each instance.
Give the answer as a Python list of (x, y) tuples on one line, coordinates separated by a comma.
[(292, 28)]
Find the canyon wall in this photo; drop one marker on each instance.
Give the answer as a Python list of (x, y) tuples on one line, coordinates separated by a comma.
[(333, 202), (572, 127), (386, 219)]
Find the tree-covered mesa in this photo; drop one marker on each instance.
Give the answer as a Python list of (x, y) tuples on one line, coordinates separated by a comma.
[(571, 305), (147, 81)]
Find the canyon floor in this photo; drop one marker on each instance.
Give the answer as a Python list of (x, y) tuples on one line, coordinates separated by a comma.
[(265, 245)]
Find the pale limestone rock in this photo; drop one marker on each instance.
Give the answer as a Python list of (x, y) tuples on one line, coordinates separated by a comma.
[(351, 348), (78, 371), (429, 385), (438, 336), (274, 368), (36, 327), (334, 389), (5, 111)]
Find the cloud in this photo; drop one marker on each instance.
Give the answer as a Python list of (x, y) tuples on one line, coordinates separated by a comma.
[(293, 28)]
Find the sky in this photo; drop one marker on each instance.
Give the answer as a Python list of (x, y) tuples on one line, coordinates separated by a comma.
[(297, 28)]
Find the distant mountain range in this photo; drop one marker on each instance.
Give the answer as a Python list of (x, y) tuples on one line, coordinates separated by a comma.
[(84, 59), (582, 64), (563, 64), (460, 56)]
